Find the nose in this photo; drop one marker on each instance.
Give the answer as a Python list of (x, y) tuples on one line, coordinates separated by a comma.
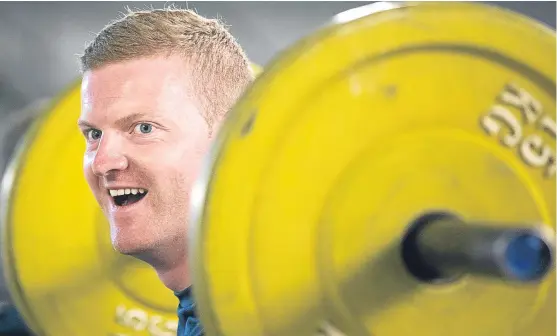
[(109, 156)]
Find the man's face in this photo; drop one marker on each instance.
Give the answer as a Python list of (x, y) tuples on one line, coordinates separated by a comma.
[(145, 141)]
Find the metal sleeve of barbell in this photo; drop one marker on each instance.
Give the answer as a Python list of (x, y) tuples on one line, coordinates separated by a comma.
[(454, 247)]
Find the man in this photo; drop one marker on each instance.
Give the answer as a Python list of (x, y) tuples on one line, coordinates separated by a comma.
[(156, 86)]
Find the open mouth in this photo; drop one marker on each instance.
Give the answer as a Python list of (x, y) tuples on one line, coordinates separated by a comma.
[(123, 197)]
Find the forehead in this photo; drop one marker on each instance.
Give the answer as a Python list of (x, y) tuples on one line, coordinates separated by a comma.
[(148, 84)]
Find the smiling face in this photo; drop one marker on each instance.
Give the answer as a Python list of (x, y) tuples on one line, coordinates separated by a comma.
[(145, 141)]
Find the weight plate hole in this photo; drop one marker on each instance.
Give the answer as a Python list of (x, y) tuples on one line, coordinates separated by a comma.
[(415, 264)]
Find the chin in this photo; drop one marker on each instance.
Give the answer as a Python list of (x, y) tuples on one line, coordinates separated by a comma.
[(127, 249), (133, 246)]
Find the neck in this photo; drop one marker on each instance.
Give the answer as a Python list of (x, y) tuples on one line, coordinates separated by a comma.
[(175, 277), (171, 266)]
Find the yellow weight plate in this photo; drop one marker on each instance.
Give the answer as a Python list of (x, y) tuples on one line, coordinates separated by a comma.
[(344, 140), (62, 272)]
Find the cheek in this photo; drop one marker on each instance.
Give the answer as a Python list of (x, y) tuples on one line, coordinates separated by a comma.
[(185, 165), (187, 153), (197, 158), (169, 167), (189, 165), (87, 167)]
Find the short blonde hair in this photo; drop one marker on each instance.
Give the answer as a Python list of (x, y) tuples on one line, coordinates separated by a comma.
[(219, 66)]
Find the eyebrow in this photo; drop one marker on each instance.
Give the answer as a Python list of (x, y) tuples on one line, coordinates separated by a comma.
[(121, 123), (84, 124), (125, 121)]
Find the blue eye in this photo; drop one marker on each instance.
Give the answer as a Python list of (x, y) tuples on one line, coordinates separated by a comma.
[(144, 128), (94, 134)]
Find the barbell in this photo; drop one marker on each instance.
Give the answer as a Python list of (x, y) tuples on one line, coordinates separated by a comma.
[(391, 174)]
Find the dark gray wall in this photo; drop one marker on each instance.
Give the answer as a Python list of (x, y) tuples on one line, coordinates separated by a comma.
[(39, 40)]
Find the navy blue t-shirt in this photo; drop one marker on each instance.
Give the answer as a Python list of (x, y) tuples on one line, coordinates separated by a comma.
[(12, 324), (188, 323)]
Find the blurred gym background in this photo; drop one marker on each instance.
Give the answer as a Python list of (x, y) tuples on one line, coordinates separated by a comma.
[(39, 43)]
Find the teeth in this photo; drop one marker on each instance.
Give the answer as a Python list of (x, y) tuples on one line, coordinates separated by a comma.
[(120, 192)]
